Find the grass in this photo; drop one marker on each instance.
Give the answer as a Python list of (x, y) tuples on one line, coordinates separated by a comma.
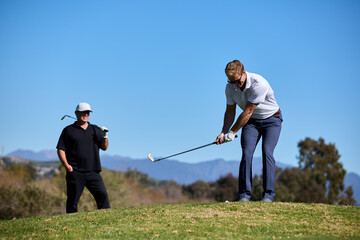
[(234, 220)]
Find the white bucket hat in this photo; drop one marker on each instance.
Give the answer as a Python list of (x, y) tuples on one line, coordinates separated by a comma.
[(83, 107)]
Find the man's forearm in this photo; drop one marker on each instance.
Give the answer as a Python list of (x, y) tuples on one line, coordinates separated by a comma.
[(241, 121), (229, 118), (104, 144), (63, 160), (244, 117)]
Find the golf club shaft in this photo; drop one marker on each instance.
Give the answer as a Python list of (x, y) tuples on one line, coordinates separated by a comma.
[(185, 152)]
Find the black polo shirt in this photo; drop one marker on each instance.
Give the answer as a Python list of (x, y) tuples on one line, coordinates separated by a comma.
[(81, 147)]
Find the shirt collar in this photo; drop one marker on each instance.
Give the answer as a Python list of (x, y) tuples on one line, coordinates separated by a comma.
[(75, 125), (248, 81)]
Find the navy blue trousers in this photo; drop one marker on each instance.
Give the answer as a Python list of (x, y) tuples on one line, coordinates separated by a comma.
[(269, 129), (75, 183)]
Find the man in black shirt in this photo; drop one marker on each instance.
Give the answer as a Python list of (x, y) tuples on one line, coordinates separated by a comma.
[(78, 151)]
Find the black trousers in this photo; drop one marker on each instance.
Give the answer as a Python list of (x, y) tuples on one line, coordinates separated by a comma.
[(75, 183)]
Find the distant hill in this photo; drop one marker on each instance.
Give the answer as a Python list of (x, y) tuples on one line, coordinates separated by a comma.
[(5, 161), (182, 173), (44, 155), (43, 168)]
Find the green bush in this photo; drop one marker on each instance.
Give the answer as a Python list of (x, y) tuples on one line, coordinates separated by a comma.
[(27, 201)]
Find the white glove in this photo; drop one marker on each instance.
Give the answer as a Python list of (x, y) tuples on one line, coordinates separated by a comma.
[(104, 132), (229, 136)]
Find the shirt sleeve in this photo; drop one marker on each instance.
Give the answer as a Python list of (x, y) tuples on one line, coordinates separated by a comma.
[(99, 135), (258, 92), (62, 141), (229, 98)]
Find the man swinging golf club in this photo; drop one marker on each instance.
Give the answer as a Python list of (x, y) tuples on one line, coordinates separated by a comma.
[(78, 150), (261, 117)]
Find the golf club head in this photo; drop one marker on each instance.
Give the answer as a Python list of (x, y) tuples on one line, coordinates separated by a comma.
[(150, 156), (63, 117)]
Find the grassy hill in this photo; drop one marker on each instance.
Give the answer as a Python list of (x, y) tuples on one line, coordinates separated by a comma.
[(233, 220)]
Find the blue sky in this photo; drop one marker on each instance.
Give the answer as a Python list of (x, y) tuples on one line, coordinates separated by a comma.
[(153, 72)]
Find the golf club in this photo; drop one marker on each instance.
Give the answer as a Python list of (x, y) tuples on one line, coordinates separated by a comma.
[(150, 156), (68, 117), (76, 119)]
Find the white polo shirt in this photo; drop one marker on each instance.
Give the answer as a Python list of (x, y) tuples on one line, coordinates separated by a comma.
[(257, 90)]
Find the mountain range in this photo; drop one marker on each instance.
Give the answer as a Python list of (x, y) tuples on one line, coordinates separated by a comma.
[(181, 172)]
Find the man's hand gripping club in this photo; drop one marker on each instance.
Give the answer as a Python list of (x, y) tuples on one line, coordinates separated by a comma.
[(224, 138)]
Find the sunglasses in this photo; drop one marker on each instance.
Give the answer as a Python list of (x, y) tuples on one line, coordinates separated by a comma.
[(85, 113), (236, 81)]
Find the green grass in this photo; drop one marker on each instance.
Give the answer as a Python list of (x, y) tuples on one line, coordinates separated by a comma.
[(234, 220)]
